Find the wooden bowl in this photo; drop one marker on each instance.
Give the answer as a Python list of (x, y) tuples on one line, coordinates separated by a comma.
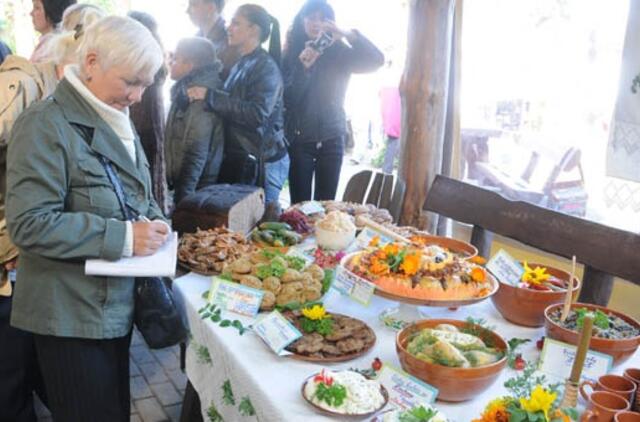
[(526, 306), (454, 384), (620, 349), (467, 250), (359, 416)]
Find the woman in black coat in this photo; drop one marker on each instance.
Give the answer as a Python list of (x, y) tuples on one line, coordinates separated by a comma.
[(316, 67)]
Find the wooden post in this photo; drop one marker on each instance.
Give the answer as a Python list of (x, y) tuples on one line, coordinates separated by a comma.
[(424, 89)]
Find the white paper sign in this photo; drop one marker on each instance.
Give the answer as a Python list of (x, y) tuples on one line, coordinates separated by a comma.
[(277, 332), (234, 297), (505, 268), (557, 359), (405, 391), (349, 284), (311, 207)]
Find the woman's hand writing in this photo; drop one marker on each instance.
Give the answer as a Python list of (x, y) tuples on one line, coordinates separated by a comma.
[(148, 237)]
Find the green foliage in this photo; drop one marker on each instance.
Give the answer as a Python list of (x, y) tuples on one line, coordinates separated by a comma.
[(523, 384), (327, 280), (333, 395), (321, 326), (514, 343), (203, 354), (246, 407), (417, 414), (600, 319), (212, 312), (227, 394), (213, 414)]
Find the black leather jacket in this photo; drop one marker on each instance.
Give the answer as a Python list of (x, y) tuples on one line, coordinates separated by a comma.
[(252, 107), (314, 98)]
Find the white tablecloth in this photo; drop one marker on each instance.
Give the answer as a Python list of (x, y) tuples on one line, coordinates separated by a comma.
[(272, 383)]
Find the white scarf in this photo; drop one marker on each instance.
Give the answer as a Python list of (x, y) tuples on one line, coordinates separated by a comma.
[(116, 119)]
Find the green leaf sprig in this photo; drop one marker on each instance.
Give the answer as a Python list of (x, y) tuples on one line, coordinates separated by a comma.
[(600, 319), (417, 414), (514, 343), (334, 394), (323, 327), (214, 313)]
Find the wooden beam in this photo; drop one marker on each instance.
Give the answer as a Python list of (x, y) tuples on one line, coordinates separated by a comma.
[(424, 102), (600, 247)]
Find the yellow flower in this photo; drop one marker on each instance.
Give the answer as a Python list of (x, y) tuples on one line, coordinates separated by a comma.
[(314, 313), (379, 267), (534, 276), (375, 241), (410, 264), (540, 400), (496, 411), (391, 249)]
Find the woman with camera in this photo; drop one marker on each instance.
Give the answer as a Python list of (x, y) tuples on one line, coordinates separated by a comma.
[(316, 66)]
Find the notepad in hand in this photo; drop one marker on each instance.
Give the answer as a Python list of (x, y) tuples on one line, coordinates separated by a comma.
[(160, 264)]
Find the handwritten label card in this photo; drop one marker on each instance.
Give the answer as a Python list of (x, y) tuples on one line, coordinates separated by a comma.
[(349, 284), (557, 359), (364, 238), (234, 297), (311, 207), (505, 268), (277, 332), (404, 390)]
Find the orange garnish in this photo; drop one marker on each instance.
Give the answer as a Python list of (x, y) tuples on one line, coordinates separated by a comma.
[(478, 274), (478, 260), (375, 241), (410, 264), (391, 249), (378, 267)]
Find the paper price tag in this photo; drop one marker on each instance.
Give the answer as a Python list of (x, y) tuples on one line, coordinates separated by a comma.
[(234, 297), (405, 391), (311, 207), (277, 332), (557, 359), (505, 268), (349, 284)]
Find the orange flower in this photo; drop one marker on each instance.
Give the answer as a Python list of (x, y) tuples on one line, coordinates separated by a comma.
[(478, 274), (410, 264), (496, 411), (478, 260), (559, 414), (375, 241), (391, 249), (378, 267)]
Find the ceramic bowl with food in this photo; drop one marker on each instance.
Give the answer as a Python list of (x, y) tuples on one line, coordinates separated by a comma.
[(620, 340), (463, 249), (525, 306), (336, 231), (459, 358)]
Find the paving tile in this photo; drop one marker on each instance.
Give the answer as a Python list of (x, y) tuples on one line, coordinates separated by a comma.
[(178, 378), (135, 418), (139, 388), (133, 368), (150, 410), (174, 412), (153, 373), (166, 393), (167, 358), (141, 354), (136, 339)]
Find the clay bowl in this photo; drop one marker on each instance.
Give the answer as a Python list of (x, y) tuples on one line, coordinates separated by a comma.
[(453, 384), (358, 416), (466, 250), (525, 306), (620, 349)]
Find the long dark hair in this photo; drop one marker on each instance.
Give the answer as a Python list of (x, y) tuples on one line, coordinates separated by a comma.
[(269, 26), (296, 36)]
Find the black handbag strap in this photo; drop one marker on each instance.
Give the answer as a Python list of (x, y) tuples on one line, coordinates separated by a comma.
[(118, 188)]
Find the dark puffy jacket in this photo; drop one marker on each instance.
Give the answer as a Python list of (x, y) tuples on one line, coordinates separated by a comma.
[(194, 138), (251, 105), (314, 98)]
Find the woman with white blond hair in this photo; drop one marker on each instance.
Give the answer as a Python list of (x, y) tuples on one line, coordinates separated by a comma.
[(62, 209), (21, 84)]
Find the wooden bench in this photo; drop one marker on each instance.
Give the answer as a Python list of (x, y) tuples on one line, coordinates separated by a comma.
[(383, 193), (606, 252)]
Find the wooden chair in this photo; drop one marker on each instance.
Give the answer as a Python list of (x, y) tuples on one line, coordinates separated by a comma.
[(382, 192), (605, 251)]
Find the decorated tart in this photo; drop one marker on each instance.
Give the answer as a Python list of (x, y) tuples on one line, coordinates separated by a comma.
[(432, 273)]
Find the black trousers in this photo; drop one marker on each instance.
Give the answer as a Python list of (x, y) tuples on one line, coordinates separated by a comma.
[(86, 380), (324, 160), (19, 372)]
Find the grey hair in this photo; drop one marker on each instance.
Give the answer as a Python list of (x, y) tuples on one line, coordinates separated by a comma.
[(122, 41), (63, 48)]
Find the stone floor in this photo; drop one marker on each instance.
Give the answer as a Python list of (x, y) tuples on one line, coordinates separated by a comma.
[(157, 384)]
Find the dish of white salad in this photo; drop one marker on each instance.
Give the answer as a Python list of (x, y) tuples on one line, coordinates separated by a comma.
[(345, 393)]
